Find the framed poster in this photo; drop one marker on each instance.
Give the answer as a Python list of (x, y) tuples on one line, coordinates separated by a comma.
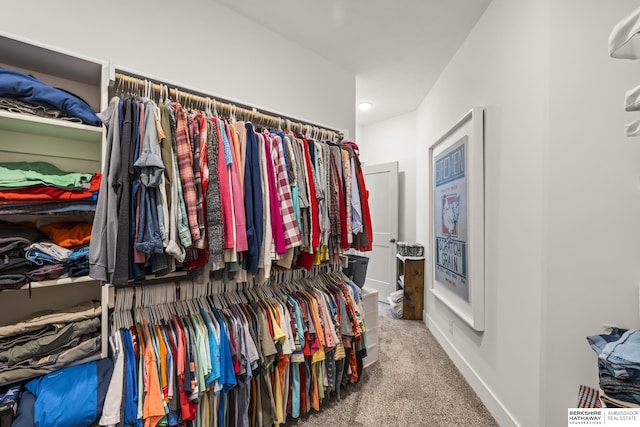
[(456, 196)]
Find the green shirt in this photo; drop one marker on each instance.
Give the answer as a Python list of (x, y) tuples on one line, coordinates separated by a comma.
[(25, 174)]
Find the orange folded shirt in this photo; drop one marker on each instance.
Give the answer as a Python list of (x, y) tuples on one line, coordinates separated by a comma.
[(71, 235)]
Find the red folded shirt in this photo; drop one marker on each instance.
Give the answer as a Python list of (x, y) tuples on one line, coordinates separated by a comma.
[(46, 192)]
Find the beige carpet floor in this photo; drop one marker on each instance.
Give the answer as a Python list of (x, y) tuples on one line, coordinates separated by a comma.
[(414, 383)]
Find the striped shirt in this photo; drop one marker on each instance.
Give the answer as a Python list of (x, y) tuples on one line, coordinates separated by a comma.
[(289, 223)]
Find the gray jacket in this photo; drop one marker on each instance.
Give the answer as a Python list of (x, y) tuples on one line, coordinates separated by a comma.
[(102, 254)]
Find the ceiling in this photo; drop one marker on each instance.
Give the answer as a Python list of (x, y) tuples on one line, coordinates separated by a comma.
[(397, 49)]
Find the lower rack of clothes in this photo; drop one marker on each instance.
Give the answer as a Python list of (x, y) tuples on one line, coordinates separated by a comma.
[(250, 357)]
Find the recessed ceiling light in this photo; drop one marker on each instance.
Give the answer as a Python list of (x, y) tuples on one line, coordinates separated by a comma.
[(364, 106)]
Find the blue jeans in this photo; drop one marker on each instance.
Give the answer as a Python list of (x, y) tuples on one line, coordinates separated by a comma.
[(619, 351)]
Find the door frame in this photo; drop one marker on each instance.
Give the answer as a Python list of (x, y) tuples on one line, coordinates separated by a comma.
[(392, 168)]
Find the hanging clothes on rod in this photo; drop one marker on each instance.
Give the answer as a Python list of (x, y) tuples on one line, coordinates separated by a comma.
[(130, 84), (186, 188), (190, 355)]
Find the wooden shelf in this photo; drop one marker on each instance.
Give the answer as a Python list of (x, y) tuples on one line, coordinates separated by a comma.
[(59, 282), (150, 279), (36, 125)]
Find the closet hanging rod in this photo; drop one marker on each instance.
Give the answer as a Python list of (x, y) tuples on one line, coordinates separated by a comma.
[(124, 81)]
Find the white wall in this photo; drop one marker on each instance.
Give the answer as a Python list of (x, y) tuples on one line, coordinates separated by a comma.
[(593, 207), (238, 59), (562, 202), (391, 140), (359, 132), (503, 66)]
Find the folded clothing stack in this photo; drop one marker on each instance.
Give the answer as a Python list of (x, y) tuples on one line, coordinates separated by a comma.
[(50, 252), (48, 341), (619, 363), (396, 299), (17, 106), (626, 390), (33, 187), (27, 89), (14, 238)]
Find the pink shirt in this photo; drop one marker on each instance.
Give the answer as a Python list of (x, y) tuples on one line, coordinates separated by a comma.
[(237, 198), (225, 190)]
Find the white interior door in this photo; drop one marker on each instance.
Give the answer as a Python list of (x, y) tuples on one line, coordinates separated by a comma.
[(382, 183)]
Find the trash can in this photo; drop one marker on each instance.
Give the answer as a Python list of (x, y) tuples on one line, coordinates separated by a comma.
[(357, 269)]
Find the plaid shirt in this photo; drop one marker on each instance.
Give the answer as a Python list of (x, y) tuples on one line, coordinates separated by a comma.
[(185, 166), (195, 140), (289, 223), (588, 397)]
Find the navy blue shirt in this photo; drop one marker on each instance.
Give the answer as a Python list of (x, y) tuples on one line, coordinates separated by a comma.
[(253, 203)]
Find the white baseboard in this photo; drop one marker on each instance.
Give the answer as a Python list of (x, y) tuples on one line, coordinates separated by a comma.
[(490, 400)]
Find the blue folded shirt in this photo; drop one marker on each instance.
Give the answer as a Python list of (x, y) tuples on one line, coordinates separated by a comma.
[(14, 84)]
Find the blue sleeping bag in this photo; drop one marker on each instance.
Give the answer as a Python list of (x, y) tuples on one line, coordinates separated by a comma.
[(26, 88), (72, 396)]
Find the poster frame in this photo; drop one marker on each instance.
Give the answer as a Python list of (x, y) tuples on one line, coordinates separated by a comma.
[(471, 311)]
